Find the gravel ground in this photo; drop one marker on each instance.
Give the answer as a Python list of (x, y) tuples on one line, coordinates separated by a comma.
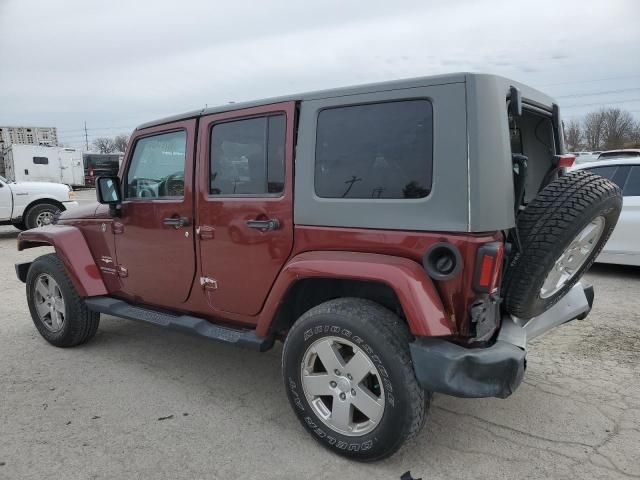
[(141, 402)]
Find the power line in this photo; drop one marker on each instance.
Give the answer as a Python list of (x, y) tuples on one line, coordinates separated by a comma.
[(95, 128), (601, 104), (599, 93), (590, 81)]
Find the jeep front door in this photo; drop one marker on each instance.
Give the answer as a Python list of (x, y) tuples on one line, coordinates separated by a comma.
[(244, 211), (154, 236)]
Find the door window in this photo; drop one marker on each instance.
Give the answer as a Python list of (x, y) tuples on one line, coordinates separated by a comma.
[(247, 156), (157, 167), (632, 187)]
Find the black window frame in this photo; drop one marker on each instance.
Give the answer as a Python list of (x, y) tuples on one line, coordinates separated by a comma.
[(429, 187), (41, 160), (265, 115), (125, 177)]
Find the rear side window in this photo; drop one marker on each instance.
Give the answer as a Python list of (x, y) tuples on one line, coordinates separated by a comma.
[(381, 150), (632, 187), (41, 160), (247, 156)]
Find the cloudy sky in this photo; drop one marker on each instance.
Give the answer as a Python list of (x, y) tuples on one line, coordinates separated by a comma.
[(118, 63)]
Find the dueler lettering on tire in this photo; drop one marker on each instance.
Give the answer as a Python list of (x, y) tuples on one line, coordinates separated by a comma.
[(562, 231), (348, 376)]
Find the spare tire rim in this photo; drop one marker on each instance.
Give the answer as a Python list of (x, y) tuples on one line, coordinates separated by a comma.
[(573, 258), (49, 303), (343, 386)]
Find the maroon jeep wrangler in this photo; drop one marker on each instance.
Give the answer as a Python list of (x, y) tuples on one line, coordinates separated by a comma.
[(400, 238)]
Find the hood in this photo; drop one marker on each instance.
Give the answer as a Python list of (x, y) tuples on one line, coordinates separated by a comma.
[(83, 211), (39, 187)]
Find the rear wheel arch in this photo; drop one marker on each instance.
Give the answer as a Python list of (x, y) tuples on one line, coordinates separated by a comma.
[(307, 293), (397, 283)]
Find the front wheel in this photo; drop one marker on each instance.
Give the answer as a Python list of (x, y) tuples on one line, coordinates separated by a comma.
[(57, 310), (349, 378), (40, 215)]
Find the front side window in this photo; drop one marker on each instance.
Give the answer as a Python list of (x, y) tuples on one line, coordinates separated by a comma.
[(247, 156), (157, 167), (382, 150)]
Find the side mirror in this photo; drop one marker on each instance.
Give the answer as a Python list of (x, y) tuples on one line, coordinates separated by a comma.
[(109, 193), (515, 102)]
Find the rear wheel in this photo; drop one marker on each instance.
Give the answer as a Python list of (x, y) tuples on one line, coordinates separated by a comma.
[(562, 231), (349, 378), (57, 310)]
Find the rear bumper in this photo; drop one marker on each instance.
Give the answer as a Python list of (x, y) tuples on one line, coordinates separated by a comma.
[(497, 370)]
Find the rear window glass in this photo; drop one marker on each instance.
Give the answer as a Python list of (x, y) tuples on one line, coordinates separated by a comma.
[(382, 150), (632, 187), (41, 160)]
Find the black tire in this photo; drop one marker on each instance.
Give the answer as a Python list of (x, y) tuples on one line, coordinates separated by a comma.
[(382, 336), (80, 324), (31, 216), (547, 227), (20, 226)]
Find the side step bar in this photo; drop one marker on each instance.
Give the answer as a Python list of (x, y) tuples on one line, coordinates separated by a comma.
[(184, 323)]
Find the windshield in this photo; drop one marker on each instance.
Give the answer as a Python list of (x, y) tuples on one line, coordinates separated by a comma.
[(3, 179)]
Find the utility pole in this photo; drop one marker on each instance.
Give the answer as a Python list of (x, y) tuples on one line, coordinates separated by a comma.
[(86, 137)]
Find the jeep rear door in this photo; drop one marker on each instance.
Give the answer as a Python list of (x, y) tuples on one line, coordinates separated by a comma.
[(244, 204), (154, 236)]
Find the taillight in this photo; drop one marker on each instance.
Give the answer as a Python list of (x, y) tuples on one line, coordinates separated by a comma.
[(488, 267), (91, 172), (565, 161)]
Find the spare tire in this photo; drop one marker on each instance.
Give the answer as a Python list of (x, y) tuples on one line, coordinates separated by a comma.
[(561, 232)]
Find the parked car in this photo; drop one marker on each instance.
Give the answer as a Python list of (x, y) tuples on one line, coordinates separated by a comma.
[(428, 232), (585, 157), (623, 153), (624, 245), (33, 204)]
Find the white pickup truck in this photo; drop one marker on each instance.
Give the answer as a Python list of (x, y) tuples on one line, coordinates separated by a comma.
[(27, 205)]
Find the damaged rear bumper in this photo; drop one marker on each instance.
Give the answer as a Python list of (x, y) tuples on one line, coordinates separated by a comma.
[(494, 371)]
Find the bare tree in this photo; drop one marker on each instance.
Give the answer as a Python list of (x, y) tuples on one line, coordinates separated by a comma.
[(120, 142), (594, 129), (618, 128), (104, 145), (573, 135)]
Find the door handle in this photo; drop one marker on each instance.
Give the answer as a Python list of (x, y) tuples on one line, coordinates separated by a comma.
[(176, 222), (271, 224)]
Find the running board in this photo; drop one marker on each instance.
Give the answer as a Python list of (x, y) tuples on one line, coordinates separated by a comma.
[(184, 323)]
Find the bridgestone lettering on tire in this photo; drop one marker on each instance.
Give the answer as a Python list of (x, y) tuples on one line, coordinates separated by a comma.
[(77, 325), (579, 204), (359, 330)]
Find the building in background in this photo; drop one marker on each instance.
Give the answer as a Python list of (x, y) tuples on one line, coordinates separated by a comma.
[(32, 163), (41, 136)]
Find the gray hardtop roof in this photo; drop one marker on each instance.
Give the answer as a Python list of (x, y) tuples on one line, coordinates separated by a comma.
[(528, 93)]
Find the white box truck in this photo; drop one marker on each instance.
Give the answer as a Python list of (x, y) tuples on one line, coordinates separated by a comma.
[(32, 163)]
